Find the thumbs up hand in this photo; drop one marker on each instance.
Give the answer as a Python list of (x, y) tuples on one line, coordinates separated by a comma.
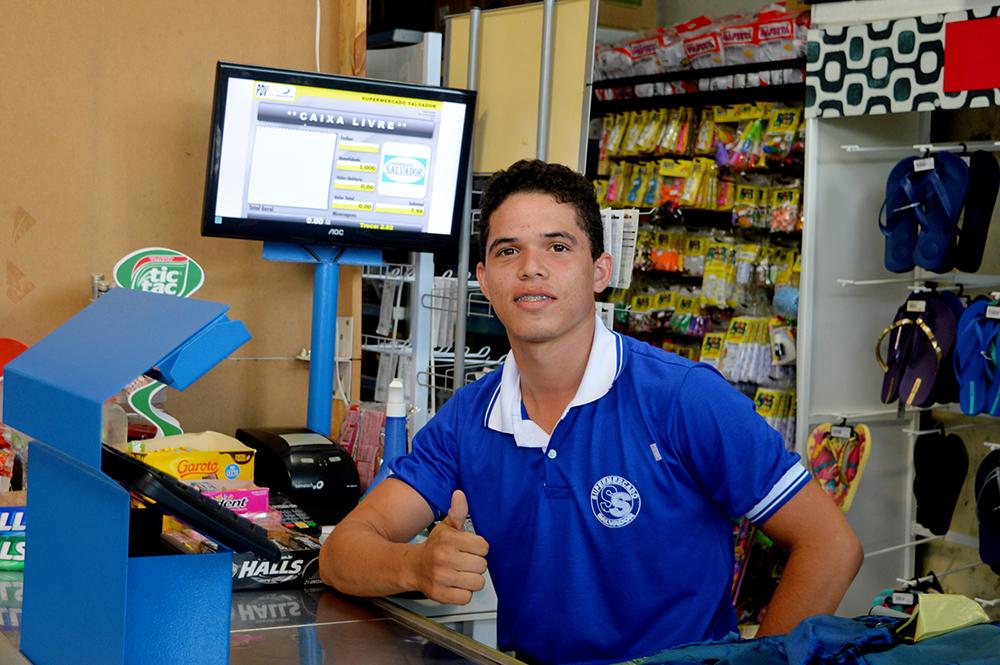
[(452, 561)]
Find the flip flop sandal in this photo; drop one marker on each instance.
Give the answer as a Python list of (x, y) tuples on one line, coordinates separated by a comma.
[(946, 385), (984, 183), (993, 376), (897, 218), (987, 491), (942, 197), (972, 362), (940, 465), (933, 340), (837, 464), (900, 342)]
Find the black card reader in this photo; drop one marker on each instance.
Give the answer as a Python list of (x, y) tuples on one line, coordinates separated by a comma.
[(311, 470)]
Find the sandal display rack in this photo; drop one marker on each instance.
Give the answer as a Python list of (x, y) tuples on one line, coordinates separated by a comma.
[(847, 298)]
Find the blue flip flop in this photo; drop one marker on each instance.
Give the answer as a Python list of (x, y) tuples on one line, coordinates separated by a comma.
[(972, 362), (898, 216), (943, 193), (993, 354)]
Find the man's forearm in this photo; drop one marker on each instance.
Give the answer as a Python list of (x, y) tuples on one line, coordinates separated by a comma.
[(814, 581), (359, 561)]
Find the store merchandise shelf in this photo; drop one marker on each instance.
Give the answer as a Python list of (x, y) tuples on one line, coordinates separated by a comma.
[(788, 93), (700, 74)]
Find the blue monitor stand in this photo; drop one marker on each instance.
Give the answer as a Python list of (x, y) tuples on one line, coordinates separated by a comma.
[(326, 283)]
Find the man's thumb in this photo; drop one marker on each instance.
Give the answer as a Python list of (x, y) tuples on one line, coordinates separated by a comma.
[(459, 510)]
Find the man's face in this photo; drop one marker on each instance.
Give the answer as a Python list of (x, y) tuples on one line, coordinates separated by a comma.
[(538, 273)]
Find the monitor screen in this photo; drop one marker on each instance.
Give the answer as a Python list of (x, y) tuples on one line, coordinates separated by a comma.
[(314, 158)]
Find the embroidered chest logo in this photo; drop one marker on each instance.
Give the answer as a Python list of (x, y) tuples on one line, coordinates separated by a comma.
[(615, 501)]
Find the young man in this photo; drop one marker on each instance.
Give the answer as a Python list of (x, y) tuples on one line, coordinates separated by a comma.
[(602, 474)]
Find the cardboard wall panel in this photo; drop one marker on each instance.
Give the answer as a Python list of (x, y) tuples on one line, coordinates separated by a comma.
[(509, 69), (104, 152)]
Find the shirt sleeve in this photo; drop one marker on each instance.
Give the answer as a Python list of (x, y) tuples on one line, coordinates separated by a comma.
[(739, 460), (432, 467)]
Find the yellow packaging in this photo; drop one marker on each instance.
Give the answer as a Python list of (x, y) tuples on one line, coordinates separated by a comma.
[(204, 455)]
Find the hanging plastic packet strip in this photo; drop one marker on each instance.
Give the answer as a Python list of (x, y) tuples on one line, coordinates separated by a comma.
[(785, 209), (705, 136), (782, 338), (645, 242), (725, 197), (696, 247), (665, 257), (620, 126), (652, 196), (694, 184), (745, 207), (601, 191), (637, 185), (782, 125), (716, 281), (652, 130), (674, 175), (712, 347), (747, 151), (631, 138), (733, 360)]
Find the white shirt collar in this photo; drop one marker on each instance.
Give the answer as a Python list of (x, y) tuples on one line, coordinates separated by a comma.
[(505, 412)]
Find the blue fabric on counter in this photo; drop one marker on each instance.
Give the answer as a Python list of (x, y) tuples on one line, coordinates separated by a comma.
[(829, 640)]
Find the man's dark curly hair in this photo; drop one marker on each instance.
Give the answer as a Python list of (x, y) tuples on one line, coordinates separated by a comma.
[(536, 176)]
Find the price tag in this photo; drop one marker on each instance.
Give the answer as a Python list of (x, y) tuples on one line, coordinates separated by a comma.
[(926, 164), (842, 431), (903, 598), (916, 305), (993, 312)]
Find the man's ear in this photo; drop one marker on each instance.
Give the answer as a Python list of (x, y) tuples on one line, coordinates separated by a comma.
[(481, 277), (603, 267)]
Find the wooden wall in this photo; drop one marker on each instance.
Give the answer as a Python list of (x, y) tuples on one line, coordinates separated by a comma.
[(104, 122)]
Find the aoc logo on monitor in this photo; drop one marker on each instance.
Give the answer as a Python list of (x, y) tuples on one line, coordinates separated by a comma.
[(160, 270)]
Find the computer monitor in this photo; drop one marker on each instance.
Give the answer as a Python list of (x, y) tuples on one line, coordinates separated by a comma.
[(312, 158)]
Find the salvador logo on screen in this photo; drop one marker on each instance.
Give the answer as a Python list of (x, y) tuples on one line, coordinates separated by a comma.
[(405, 170), (159, 270), (615, 501)]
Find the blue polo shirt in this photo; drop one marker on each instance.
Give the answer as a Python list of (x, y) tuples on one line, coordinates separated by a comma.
[(612, 538)]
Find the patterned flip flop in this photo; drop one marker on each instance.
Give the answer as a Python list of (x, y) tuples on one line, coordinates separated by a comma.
[(837, 463)]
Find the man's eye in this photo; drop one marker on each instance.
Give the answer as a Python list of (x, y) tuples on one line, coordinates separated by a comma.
[(559, 247), (506, 251)]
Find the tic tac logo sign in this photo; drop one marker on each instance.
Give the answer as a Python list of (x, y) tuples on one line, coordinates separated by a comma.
[(160, 270)]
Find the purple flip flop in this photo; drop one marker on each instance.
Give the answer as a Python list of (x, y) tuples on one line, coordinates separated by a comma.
[(933, 341), (900, 334)]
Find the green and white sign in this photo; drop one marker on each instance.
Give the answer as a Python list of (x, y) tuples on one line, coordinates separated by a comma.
[(159, 270)]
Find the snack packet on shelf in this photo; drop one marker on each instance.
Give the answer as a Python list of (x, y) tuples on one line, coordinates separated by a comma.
[(739, 46), (703, 48)]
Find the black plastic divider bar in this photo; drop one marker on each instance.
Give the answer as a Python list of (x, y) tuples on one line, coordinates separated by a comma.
[(701, 74), (787, 92)]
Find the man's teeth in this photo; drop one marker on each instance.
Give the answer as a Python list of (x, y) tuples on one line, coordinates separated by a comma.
[(532, 298)]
